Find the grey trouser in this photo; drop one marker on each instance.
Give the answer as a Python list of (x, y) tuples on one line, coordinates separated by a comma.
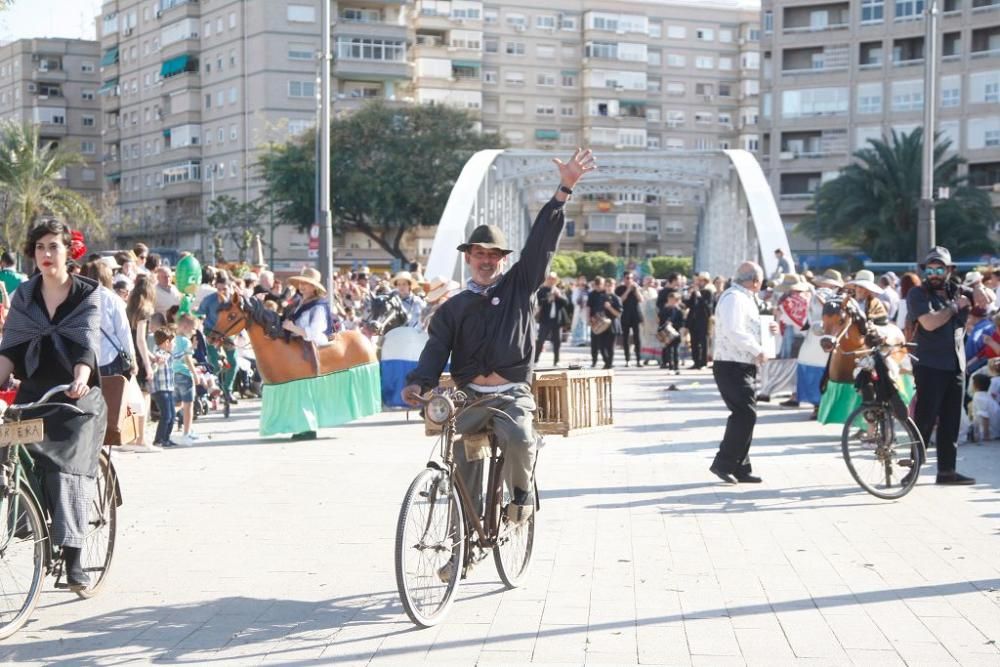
[(516, 438)]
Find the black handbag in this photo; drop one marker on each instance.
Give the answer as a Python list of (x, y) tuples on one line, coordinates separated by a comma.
[(120, 365)]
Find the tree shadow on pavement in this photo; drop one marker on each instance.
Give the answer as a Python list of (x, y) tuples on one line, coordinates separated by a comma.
[(725, 498)]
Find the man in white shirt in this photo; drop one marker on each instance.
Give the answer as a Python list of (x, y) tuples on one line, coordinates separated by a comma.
[(738, 353), (167, 296)]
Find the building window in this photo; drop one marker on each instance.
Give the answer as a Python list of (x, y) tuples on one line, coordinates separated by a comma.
[(569, 79), (545, 22), (676, 60), (232, 20), (88, 147), (676, 32), (545, 79), (545, 110), (705, 34), (357, 48), (907, 9), (704, 62), (567, 23), (567, 110), (951, 91), (87, 121), (514, 48), (300, 52), (86, 94), (489, 76), (907, 95), (872, 11), (301, 13), (302, 89), (870, 98)]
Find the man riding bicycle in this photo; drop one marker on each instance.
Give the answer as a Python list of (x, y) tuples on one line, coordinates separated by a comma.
[(488, 332)]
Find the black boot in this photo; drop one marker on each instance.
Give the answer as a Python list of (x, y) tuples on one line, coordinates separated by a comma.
[(76, 578), (305, 435)]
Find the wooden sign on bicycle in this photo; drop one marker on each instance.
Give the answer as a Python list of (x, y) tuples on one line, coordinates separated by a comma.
[(23, 432)]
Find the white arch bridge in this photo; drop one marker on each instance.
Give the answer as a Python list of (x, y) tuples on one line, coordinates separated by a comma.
[(737, 214)]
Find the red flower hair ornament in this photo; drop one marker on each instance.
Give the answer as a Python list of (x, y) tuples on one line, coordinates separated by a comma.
[(77, 248)]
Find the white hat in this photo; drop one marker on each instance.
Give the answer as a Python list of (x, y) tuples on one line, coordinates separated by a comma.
[(110, 262), (973, 278), (866, 279)]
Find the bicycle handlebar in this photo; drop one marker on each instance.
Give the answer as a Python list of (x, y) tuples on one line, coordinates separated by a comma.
[(45, 397)]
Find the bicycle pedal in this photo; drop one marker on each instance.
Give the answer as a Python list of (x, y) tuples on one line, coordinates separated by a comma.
[(905, 463)]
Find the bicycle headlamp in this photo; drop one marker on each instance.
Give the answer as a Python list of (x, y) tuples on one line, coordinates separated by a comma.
[(439, 409)]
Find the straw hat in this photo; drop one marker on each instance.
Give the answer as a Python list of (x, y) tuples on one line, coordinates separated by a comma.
[(830, 278), (866, 279), (792, 283), (439, 287), (110, 262), (404, 275), (309, 276), (704, 275)]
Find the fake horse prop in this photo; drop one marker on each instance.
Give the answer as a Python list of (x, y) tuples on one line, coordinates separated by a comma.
[(399, 345), (306, 386), (846, 328)]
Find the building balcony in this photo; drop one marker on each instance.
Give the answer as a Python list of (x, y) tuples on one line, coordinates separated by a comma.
[(980, 7), (168, 11), (189, 188), (179, 82), (380, 69), (180, 47), (53, 75), (46, 129), (362, 29)]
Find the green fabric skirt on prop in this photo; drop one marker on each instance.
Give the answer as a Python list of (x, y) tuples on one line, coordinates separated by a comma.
[(310, 404), (841, 399), (838, 402)]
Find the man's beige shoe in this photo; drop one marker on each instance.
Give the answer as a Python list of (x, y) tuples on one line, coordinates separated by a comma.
[(519, 514)]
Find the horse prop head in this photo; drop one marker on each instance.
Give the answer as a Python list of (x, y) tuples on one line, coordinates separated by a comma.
[(385, 314), (232, 317)]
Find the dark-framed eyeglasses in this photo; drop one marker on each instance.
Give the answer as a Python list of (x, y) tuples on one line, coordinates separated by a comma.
[(936, 270)]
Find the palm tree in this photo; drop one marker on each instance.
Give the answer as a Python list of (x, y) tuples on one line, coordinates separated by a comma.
[(872, 204), (29, 175)]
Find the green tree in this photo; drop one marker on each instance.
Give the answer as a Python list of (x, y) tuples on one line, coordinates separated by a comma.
[(29, 184), (237, 222), (872, 204), (564, 265), (593, 264), (660, 267), (392, 168)]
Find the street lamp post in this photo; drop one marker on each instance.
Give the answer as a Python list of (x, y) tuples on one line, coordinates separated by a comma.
[(325, 221), (926, 223)]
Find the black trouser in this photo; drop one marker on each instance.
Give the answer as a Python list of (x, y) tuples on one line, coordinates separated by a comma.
[(605, 344), (939, 400), (548, 331), (699, 345), (633, 328), (736, 386), (669, 357)]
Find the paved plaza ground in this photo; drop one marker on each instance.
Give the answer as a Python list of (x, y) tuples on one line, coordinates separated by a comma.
[(246, 550)]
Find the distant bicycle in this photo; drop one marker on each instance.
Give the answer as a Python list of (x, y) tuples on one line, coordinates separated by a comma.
[(881, 444), (441, 534), (26, 550)]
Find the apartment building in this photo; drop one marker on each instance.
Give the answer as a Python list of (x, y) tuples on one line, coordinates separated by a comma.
[(838, 73), (191, 91), (53, 83)]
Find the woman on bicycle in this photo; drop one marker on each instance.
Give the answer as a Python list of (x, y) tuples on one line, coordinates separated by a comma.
[(51, 337)]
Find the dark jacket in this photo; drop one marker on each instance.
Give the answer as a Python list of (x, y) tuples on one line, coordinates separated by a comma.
[(562, 314), (495, 331), (699, 306)]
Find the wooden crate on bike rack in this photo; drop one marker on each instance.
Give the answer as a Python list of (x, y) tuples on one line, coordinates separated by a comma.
[(569, 401)]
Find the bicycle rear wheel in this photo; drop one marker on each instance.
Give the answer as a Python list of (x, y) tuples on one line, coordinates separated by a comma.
[(23, 542), (515, 544), (430, 547), (102, 525), (882, 452)]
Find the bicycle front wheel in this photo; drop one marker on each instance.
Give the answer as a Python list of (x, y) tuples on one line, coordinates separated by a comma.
[(882, 452), (515, 544), (22, 560), (102, 524), (430, 547)]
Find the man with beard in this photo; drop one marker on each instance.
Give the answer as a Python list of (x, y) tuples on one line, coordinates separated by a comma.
[(488, 332), (940, 312)]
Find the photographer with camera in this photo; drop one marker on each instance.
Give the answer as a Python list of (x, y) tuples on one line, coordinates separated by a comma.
[(939, 307)]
